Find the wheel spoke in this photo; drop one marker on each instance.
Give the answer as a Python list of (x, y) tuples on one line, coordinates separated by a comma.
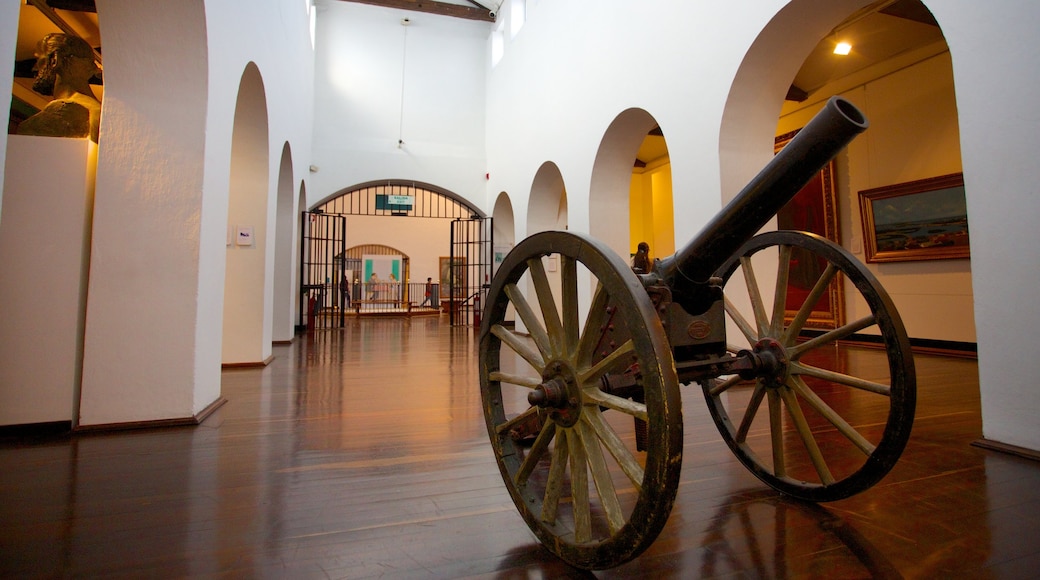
[(530, 320), (856, 382), (518, 346), (741, 322), (550, 315), (601, 477), (626, 406), (724, 385), (802, 426), (776, 433), (749, 414), (783, 271), (828, 337), (513, 379), (838, 421), (554, 481), (825, 410), (614, 445), (595, 325), (761, 319), (569, 276), (615, 361), (792, 331), (535, 453), (580, 502)]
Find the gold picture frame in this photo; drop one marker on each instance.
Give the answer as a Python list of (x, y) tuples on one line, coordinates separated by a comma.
[(926, 219)]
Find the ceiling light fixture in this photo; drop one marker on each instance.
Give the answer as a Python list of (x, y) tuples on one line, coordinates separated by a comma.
[(842, 48)]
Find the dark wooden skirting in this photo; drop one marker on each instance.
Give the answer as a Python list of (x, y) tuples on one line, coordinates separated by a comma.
[(192, 421), (950, 348), (282, 342), (35, 430), (248, 365), (1005, 448)]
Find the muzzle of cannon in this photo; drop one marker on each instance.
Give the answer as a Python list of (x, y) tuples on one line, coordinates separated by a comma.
[(688, 270), (581, 362)]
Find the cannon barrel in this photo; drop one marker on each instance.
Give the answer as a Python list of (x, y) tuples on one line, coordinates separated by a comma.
[(687, 271)]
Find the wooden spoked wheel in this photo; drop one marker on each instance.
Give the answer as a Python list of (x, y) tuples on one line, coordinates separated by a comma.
[(566, 445), (826, 425)]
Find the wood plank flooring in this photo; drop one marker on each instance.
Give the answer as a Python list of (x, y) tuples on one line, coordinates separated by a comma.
[(362, 453)]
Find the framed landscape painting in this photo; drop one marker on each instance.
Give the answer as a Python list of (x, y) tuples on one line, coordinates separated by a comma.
[(925, 219)]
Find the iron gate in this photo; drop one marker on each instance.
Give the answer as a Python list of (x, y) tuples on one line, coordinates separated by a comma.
[(324, 291), (469, 269)]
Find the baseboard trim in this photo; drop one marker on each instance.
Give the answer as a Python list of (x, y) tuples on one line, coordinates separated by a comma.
[(248, 365), (950, 348), (1006, 448), (36, 430), (192, 421)]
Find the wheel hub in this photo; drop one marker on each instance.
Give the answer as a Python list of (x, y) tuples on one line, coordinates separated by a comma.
[(771, 362), (559, 394)]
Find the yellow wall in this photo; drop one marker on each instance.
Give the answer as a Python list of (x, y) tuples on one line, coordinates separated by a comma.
[(651, 218)]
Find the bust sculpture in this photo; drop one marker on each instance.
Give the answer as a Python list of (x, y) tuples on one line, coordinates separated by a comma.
[(64, 67)]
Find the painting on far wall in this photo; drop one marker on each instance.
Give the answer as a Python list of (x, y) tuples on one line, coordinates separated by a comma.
[(453, 277), (925, 219)]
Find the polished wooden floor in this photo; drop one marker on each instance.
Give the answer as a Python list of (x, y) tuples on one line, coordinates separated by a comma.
[(362, 453)]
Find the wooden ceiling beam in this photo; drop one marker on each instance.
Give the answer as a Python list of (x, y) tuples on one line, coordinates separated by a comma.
[(75, 5), (434, 7)]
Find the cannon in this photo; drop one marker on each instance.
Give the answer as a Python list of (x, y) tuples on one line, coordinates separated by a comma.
[(581, 391)]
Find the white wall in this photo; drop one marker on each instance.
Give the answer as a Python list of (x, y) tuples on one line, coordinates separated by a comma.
[(717, 74), (153, 336), (43, 287), (377, 82), (996, 94), (423, 240)]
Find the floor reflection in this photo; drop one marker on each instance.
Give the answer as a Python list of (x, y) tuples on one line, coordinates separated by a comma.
[(363, 453), (761, 534)]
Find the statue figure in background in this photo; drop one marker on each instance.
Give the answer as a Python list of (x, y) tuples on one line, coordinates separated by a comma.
[(64, 67), (641, 261)]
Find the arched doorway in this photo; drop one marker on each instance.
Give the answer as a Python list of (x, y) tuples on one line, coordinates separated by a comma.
[(632, 178), (906, 89), (247, 286), (370, 214), (284, 254)]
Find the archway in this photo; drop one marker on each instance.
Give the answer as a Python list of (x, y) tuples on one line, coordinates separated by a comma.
[(285, 239), (247, 287), (631, 177), (547, 204), (909, 99), (504, 235), (505, 226)]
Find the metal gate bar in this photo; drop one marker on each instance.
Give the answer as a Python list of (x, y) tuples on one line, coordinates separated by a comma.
[(323, 289), (470, 266)]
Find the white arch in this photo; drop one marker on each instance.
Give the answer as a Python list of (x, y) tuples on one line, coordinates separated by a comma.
[(547, 204), (611, 184), (286, 241), (247, 282)]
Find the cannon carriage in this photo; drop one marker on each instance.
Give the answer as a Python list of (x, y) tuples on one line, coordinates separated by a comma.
[(582, 397)]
